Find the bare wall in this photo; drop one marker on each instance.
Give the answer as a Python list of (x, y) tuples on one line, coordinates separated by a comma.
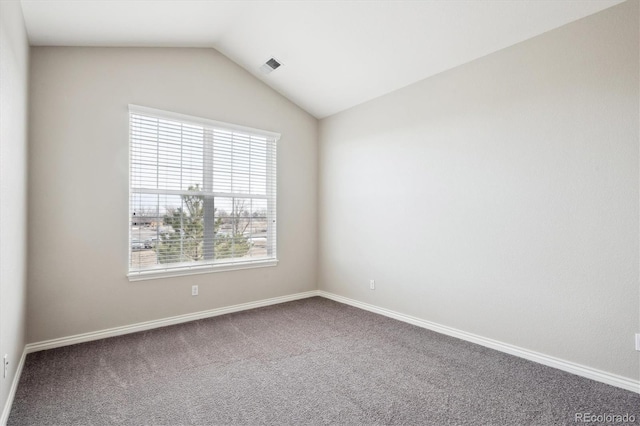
[(14, 64), (500, 197), (79, 184)]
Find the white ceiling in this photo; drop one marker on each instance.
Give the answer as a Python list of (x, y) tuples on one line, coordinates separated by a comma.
[(336, 54)]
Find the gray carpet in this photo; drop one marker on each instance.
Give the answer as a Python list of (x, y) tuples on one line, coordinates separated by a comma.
[(312, 361)]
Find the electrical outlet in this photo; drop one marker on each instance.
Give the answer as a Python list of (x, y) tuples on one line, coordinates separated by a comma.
[(5, 363), (194, 290), (637, 341), (372, 284)]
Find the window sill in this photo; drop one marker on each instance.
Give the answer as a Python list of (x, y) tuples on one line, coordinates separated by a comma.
[(196, 270)]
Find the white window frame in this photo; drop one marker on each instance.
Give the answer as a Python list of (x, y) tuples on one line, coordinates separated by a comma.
[(181, 269)]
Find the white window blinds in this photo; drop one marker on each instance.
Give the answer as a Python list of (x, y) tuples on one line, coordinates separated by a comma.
[(202, 194)]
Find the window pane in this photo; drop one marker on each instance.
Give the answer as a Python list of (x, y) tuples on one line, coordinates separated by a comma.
[(222, 157), (258, 234), (145, 228), (234, 171)]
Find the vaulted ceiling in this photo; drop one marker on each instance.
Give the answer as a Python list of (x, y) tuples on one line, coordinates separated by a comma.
[(335, 54)]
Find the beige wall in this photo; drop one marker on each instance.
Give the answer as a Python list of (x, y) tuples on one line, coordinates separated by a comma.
[(500, 197), (79, 184), (14, 63)]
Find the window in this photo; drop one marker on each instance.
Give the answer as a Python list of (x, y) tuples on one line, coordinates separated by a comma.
[(202, 195)]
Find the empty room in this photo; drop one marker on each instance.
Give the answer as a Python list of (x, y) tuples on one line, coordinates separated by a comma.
[(320, 212)]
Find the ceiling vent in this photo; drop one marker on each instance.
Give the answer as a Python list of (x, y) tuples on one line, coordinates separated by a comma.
[(269, 66)]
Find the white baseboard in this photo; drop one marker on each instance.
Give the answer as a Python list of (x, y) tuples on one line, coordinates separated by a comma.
[(560, 364), (12, 391), (149, 325)]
